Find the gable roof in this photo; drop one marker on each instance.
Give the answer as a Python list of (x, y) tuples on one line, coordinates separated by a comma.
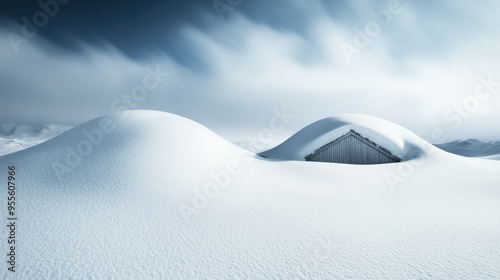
[(358, 136)]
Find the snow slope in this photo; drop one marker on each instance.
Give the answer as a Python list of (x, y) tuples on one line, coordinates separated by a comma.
[(399, 141), (161, 197), (15, 137)]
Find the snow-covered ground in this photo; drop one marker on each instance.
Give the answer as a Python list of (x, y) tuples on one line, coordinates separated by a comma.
[(150, 195), (15, 137)]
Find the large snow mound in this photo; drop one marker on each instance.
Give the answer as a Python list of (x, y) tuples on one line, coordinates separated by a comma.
[(168, 139), (394, 138), (151, 195)]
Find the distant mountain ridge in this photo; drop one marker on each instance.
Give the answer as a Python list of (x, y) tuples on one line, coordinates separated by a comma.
[(15, 137), (471, 147)]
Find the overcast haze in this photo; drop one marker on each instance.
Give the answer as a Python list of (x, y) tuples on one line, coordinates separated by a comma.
[(230, 71)]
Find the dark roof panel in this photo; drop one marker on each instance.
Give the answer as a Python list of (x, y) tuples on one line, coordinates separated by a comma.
[(352, 148)]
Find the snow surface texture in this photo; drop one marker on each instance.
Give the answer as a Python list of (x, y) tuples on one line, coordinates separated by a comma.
[(119, 213), (14, 137)]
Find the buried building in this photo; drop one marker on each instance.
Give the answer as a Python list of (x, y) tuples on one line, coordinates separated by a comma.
[(350, 139), (352, 148)]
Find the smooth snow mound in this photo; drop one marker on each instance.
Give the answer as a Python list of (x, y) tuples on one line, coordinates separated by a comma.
[(399, 141), (120, 135)]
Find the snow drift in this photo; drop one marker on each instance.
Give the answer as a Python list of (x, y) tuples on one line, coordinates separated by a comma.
[(150, 195), (398, 140)]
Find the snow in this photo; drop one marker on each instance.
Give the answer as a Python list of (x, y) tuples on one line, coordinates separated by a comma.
[(398, 140), (16, 137), (119, 213)]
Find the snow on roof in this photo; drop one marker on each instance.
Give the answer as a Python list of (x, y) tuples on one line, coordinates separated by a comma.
[(399, 141)]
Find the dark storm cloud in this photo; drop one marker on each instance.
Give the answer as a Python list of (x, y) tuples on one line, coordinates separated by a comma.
[(136, 28), (143, 28), (112, 20)]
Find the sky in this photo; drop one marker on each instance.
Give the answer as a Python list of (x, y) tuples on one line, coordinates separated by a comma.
[(235, 65)]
